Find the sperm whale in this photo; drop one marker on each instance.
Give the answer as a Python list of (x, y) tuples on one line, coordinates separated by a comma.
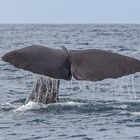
[(88, 64)]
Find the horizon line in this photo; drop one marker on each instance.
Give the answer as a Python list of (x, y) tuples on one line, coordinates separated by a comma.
[(65, 23)]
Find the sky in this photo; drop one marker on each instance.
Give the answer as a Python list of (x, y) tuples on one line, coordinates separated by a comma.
[(69, 11)]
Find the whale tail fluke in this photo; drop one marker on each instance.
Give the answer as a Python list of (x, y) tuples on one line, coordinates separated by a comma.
[(41, 60), (96, 65), (90, 64)]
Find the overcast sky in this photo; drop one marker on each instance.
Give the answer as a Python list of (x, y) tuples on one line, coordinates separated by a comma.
[(69, 11)]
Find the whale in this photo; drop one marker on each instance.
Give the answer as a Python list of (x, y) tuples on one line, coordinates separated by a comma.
[(56, 64), (82, 64)]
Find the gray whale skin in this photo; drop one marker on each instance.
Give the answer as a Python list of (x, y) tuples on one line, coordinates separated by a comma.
[(88, 64)]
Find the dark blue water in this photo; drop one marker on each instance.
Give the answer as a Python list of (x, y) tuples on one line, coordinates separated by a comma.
[(104, 110)]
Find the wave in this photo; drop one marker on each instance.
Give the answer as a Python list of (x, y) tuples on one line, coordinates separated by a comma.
[(75, 106)]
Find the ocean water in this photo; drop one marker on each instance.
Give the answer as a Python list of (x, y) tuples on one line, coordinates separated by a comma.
[(103, 110)]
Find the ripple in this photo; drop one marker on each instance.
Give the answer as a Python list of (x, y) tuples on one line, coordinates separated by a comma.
[(66, 105), (87, 113), (6, 107)]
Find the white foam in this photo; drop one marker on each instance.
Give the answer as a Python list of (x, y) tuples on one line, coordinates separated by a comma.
[(69, 103), (34, 105), (135, 113), (124, 106), (7, 104), (30, 105), (130, 113)]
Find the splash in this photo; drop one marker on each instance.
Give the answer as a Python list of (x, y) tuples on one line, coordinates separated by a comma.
[(125, 87), (55, 106), (29, 106)]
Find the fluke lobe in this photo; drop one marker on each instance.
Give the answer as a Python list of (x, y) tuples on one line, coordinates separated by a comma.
[(89, 64)]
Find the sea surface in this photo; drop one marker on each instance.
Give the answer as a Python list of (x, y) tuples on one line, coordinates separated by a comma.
[(103, 110)]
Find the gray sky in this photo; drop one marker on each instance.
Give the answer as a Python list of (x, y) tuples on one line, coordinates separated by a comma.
[(69, 11)]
